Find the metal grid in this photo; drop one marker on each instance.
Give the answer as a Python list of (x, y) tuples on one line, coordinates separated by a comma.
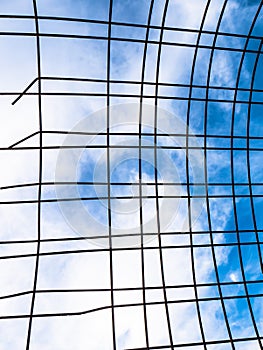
[(224, 142)]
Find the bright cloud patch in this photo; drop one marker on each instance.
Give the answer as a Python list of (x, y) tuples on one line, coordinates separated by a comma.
[(131, 182)]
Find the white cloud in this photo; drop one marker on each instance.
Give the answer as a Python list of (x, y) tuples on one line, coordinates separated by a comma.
[(92, 270)]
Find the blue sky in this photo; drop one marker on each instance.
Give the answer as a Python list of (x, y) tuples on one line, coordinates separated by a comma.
[(87, 58)]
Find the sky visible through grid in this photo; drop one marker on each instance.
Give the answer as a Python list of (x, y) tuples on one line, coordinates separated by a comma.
[(131, 174)]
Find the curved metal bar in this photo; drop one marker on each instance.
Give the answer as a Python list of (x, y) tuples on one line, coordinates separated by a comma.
[(188, 176), (109, 176), (156, 173), (39, 177), (206, 177), (140, 171), (248, 158), (233, 178)]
